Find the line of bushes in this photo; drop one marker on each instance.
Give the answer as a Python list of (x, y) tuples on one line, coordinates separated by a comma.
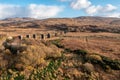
[(103, 61)]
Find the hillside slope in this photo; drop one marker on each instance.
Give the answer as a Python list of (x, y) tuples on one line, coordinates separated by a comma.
[(83, 24)]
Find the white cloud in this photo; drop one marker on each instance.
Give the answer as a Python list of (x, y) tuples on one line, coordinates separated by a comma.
[(80, 4), (115, 14), (11, 11), (109, 8), (32, 10), (43, 11), (92, 10)]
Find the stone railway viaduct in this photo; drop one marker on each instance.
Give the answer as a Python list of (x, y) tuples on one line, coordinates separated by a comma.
[(41, 36)]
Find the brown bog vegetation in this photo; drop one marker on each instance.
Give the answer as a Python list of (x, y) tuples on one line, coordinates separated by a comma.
[(90, 50)]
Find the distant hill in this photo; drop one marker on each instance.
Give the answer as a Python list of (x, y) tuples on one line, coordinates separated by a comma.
[(89, 24)]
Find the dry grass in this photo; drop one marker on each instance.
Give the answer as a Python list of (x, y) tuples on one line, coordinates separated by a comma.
[(23, 31), (39, 52), (108, 45), (32, 58)]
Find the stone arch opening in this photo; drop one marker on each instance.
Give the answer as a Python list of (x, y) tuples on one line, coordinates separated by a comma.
[(20, 37), (48, 35), (34, 36), (27, 36), (42, 36)]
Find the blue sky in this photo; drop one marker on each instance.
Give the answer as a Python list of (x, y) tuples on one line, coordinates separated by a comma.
[(58, 8)]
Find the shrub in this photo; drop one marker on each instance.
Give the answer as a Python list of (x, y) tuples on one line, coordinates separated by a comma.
[(7, 52), (67, 50), (17, 48), (105, 62), (114, 64), (57, 43), (19, 77), (94, 58), (14, 47), (80, 52), (47, 72), (33, 56), (11, 75)]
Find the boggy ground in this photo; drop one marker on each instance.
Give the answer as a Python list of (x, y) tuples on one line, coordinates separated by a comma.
[(94, 56)]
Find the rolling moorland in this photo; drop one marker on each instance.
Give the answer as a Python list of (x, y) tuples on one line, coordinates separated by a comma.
[(88, 50)]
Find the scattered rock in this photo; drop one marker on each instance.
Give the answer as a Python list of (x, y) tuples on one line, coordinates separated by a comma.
[(88, 67)]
